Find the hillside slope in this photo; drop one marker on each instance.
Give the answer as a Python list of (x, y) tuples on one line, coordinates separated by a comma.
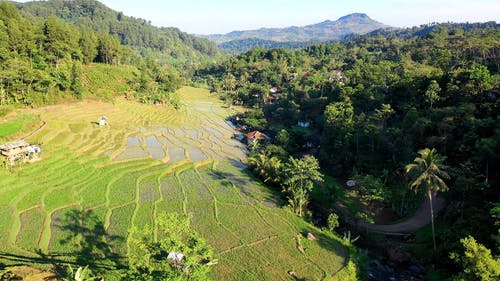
[(150, 160), (131, 31)]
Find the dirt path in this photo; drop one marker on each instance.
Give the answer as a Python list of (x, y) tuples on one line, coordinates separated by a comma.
[(35, 131), (421, 218)]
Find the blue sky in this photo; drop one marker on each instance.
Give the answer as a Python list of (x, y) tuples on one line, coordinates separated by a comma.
[(222, 16)]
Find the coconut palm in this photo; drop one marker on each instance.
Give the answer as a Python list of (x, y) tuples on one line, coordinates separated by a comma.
[(428, 172), (301, 174), (258, 163), (268, 168)]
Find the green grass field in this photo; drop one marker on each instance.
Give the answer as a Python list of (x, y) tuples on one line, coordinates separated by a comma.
[(22, 122), (149, 160)]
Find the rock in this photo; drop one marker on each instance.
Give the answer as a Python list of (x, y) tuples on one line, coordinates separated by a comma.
[(416, 269), (351, 183), (398, 256), (376, 263), (310, 236)]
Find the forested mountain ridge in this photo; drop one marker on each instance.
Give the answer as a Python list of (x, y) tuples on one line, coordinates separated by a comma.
[(425, 30), (130, 31), (46, 59), (325, 31)]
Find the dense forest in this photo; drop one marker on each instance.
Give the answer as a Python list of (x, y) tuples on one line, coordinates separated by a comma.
[(245, 45), (177, 47), (364, 109), (58, 50)]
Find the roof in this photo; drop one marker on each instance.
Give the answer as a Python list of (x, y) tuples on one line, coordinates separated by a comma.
[(14, 144), (175, 257), (273, 98), (257, 135), (275, 89)]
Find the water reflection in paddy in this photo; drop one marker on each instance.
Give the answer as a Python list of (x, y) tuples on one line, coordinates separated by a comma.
[(175, 144)]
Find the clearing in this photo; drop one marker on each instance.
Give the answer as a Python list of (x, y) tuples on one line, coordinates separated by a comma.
[(147, 160)]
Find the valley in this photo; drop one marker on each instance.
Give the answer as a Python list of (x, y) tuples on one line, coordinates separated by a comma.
[(344, 150)]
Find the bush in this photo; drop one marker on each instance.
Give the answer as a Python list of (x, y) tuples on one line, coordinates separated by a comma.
[(333, 222)]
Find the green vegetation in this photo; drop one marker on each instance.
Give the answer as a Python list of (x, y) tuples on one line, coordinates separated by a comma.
[(364, 108), (84, 207), (359, 111), (21, 123), (58, 51), (179, 253), (477, 262), (170, 44)]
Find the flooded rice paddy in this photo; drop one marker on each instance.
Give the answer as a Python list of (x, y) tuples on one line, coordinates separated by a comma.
[(208, 137)]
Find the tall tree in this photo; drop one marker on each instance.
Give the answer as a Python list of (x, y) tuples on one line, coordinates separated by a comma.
[(428, 171), (108, 48), (88, 44), (301, 174), (432, 93)]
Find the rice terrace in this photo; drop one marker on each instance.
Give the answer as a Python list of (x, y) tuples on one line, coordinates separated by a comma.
[(146, 161)]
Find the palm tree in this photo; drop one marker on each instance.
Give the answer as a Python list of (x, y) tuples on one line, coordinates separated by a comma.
[(268, 168), (301, 174), (258, 162), (428, 171)]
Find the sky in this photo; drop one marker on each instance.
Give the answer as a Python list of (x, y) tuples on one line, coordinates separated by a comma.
[(222, 16)]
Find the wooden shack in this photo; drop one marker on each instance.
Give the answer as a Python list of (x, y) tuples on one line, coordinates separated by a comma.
[(102, 121), (20, 151)]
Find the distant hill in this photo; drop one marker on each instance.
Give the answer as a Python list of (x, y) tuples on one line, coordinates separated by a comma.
[(325, 31)]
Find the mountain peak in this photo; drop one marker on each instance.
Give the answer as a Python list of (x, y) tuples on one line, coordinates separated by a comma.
[(328, 30), (354, 16)]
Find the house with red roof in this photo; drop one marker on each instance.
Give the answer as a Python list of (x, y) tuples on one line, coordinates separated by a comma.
[(256, 136)]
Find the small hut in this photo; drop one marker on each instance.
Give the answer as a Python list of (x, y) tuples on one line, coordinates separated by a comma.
[(20, 151), (175, 258), (103, 121)]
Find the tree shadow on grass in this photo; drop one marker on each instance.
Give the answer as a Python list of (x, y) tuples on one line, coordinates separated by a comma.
[(85, 232)]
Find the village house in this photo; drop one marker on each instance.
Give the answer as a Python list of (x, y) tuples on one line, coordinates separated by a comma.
[(256, 136), (275, 90), (274, 95), (20, 151), (338, 76), (273, 99)]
